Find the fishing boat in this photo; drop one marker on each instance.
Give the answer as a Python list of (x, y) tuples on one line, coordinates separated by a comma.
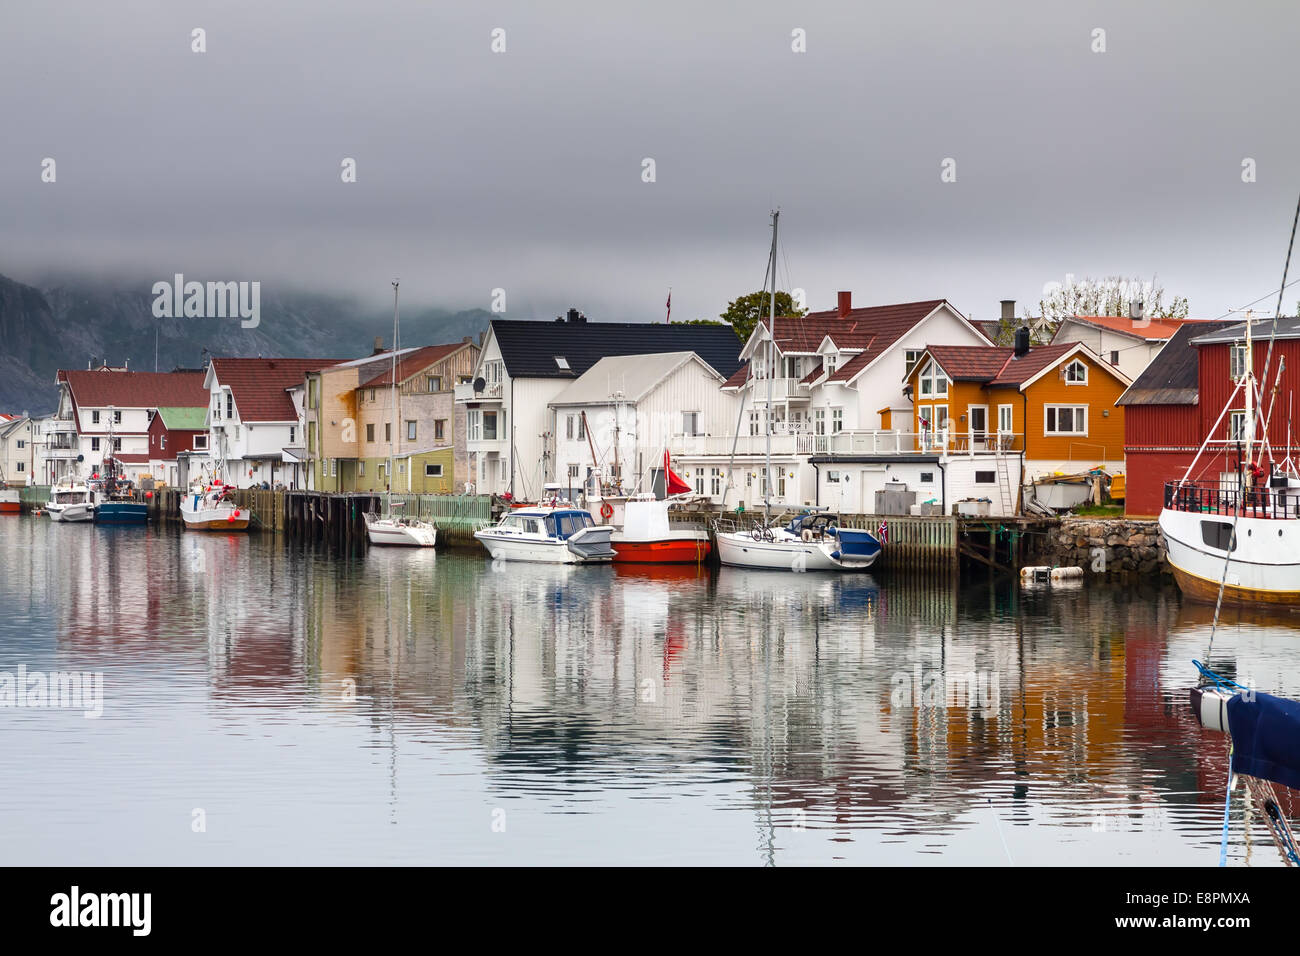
[(812, 540), (553, 532), (647, 537), (212, 507), (389, 528), (115, 501), (10, 501), (1237, 536), (71, 500)]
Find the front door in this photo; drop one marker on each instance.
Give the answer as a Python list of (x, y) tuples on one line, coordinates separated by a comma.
[(979, 426)]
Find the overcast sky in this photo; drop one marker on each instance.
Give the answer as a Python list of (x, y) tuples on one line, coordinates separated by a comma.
[(522, 170)]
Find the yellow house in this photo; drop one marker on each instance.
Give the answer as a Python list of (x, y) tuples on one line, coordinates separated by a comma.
[(1055, 403)]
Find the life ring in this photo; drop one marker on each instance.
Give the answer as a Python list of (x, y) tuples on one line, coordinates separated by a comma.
[(807, 534), (606, 510)]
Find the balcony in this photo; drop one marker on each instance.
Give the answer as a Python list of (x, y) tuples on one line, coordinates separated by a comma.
[(783, 390), (491, 393), (873, 442)]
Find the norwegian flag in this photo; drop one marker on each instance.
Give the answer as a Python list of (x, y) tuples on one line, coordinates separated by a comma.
[(883, 532), (669, 318)]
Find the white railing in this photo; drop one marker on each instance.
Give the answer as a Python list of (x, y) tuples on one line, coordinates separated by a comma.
[(782, 390), (857, 442), (465, 392)]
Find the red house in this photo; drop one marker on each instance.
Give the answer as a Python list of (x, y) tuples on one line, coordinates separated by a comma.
[(1172, 406), (175, 430)]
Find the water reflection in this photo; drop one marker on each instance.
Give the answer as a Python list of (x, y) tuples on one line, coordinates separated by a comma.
[(625, 714)]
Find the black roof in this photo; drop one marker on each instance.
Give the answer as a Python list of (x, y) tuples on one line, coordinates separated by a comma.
[(530, 348), (1172, 376)]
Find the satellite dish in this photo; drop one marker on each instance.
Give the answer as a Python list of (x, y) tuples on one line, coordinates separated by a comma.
[(480, 383), (81, 458)]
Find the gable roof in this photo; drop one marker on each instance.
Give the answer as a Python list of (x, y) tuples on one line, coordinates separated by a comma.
[(997, 367), (529, 349), (92, 388), (259, 384), (879, 328), (184, 418), (812, 376), (1152, 330), (412, 362), (1172, 376), (738, 377), (633, 375), (1288, 327)]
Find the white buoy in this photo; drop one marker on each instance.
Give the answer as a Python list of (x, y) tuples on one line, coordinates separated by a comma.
[(1066, 574)]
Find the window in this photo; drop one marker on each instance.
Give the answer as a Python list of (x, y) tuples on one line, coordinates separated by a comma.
[(492, 373), (200, 442), (162, 441), (829, 362), (1218, 534), (924, 418), (439, 428), (474, 423), (434, 383), (370, 431), (837, 420), (911, 357), (410, 430), (388, 431), (230, 405), (819, 421), (934, 384), (94, 418), (1006, 419), (699, 481), (22, 443), (94, 444), (561, 363), (568, 427), (715, 482), (986, 477), (1236, 426), (1076, 373), (1237, 362), (941, 418), (1066, 420), (117, 444), (780, 484), (117, 418), (753, 423), (490, 426), (793, 369), (1114, 358), (582, 428), (832, 477), (927, 477), (293, 432), (361, 468), (372, 395), (433, 471), (22, 466), (691, 423)]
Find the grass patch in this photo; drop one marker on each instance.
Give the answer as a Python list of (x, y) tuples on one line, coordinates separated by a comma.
[(1099, 511)]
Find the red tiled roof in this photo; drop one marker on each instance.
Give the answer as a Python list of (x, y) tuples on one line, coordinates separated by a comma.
[(259, 384), (96, 389), (413, 362), (970, 363), (993, 365), (812, 376), (1154, 329), (132, 457), (738, 377), (874, 330)]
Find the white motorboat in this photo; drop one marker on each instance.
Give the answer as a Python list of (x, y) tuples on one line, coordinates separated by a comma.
[(561, 534), (212, 507), (398, 530), (811, 541), (71, 500)]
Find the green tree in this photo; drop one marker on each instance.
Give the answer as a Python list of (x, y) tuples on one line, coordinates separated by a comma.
[(744, 313)]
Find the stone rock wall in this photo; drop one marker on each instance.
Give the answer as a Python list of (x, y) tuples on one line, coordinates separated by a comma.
[(1103, 546)]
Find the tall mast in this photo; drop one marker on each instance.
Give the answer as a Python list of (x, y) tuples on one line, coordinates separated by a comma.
[(392, 394), (771, 359), (1250, 391)]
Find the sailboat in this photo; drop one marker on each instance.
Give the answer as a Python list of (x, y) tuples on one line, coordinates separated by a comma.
[(389, 528), (812, 540)]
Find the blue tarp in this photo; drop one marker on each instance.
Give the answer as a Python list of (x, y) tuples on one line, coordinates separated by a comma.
[(1266, 738)]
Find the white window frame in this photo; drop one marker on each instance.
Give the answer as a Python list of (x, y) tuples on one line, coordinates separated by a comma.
[(474, 424), (429, 472), (1237, 426), (1237, 361), (910, 358), (1076, 364), (1006, 419), (1075, 410), (930, 380), (691, 424), (837, 420)]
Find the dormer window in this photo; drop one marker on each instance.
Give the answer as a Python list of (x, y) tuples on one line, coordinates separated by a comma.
[(830, 362), (934, 384), (562, 363), (1076, 373)]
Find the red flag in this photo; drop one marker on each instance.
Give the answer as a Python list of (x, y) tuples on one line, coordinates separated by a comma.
[(675, 484), (670, 306)]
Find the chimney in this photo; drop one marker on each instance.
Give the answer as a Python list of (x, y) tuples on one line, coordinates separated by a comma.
[(467, 340), (844, 304), (1022, 341), (1008, 309), (379, 345), (576, 317)]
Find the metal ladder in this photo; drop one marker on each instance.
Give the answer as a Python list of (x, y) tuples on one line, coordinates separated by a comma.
[(1004, 482)]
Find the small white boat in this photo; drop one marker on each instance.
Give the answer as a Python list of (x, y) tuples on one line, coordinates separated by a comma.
[(399, 530), (561, 534), (212, 508), (71, 500), (812, 541)]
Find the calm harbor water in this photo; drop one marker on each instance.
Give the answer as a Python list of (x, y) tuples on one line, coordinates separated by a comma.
[(269, 704)]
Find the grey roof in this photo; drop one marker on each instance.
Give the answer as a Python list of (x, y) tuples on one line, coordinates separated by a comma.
[(1172, 376), (633, 375), (1288, 327), (529, 349)]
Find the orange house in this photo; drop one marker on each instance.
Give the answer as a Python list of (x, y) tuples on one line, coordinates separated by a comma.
[(1056, 404)]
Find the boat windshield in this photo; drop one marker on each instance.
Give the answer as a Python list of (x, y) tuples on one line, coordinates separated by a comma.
[(569, 522), (526, 524)]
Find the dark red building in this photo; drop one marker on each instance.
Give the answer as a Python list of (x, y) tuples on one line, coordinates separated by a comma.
[(1175, 403)]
